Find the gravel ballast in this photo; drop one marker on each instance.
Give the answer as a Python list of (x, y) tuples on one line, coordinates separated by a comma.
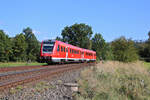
[(46, 89)]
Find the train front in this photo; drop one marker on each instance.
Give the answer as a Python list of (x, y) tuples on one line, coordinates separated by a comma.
[(46, 51)]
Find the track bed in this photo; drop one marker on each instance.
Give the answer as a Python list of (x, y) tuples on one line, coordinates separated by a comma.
[(13, 78)]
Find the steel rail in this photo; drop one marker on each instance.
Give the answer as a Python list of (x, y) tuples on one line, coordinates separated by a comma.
[(36, 76)]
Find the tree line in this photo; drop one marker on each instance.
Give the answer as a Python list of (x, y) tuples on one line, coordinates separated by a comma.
[(26, 47), (22, 47), (120, 49)]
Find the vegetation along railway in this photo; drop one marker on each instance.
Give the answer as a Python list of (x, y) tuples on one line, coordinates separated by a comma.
[(52, 51)]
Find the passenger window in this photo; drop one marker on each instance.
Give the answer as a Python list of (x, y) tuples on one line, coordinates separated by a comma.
[(61, 49), (64, 49), (58, 48)]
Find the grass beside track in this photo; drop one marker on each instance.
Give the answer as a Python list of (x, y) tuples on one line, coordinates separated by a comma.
[(15, 64), (147, 64), (115, 81)]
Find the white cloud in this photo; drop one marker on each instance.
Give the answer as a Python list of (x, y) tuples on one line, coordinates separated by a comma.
[(43, 35), (36, 32), (45, 38), (7, 32), (3, 24)]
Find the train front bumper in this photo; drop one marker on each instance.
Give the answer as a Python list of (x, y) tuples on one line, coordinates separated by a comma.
[(45, 59)]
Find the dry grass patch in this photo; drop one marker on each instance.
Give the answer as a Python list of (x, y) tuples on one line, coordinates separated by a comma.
[(115, 81)]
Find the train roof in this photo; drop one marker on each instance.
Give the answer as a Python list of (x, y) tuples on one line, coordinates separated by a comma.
[(69, 45), (86, 50), (48, 40)]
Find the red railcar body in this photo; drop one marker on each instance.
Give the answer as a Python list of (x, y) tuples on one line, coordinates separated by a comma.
[(57, 51)]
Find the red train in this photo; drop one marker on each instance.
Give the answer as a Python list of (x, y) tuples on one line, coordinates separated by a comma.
[(57, 51)]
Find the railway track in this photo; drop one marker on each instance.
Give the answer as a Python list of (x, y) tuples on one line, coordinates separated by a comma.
[(14, 78), (7, 69), (11, 74)]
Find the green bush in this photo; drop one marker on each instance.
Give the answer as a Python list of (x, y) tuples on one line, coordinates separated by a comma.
[(124, 50)]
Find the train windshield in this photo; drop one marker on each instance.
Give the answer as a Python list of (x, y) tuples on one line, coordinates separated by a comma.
[(48, 46)]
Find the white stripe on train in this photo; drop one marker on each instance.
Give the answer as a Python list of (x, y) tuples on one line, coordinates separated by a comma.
[(54, 59)]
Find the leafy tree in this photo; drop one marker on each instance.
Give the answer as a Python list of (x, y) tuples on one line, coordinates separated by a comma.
[(146, 51), (19, 48), (59, 38), (141, 48), (78, 35), (103, 49), (33, 46), (108, 54), (5, 46), (124, 50)]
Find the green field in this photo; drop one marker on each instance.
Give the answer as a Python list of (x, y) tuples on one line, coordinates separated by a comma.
[(14, 64)]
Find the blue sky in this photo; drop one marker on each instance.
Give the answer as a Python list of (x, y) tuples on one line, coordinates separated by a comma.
[(47, 18)]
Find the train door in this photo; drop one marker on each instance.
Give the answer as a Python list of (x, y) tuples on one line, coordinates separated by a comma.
[(82, 56), (92, 56), (66, 53)]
